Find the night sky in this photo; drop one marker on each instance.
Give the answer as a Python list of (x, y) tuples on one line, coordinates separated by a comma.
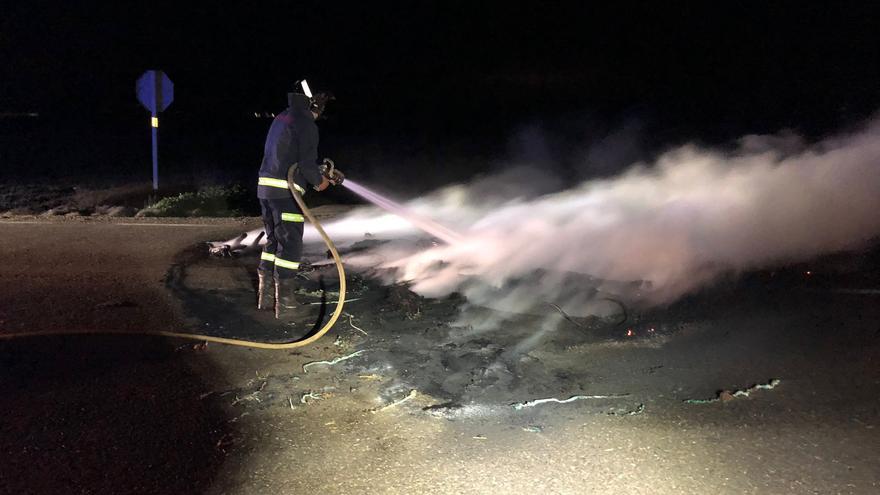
[(451, 83)]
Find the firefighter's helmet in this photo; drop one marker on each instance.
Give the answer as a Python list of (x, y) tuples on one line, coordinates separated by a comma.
[(317, 101)]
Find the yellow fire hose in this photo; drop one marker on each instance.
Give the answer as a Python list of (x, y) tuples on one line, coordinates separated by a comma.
[(237, 342)]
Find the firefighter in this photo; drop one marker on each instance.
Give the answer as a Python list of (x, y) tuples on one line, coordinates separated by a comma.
[(292, 140)]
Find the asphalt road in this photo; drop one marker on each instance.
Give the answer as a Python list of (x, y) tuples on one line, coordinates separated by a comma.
[(81, 274), (139, 414)]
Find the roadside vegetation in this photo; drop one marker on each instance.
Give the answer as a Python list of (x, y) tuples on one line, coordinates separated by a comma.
[(135, 199), (210, 201)]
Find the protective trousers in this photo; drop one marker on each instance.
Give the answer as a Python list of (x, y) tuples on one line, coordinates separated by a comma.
[(283, 221)]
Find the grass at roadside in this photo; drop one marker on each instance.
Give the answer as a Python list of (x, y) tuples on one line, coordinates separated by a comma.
[(211, 201)]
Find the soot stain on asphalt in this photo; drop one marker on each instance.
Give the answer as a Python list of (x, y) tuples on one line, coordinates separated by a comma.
[(416, 343), (229, 309), (413, 342)]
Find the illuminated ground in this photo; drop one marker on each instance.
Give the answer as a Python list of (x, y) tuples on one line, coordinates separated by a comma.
[(138, 414)]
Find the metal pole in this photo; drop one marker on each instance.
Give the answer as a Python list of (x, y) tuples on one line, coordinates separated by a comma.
[(157, 101), (154, 122)]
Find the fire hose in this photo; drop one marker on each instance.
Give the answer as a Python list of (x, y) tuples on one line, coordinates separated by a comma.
[(336, 177)]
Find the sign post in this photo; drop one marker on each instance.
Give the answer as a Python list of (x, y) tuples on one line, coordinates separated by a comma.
[(155, 92)]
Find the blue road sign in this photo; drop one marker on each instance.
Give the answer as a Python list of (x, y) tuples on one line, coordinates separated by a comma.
[(155, 91)]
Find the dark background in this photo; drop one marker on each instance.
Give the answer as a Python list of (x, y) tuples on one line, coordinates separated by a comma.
[(445, 89)]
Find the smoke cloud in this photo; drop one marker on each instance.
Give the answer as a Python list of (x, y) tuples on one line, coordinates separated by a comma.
[(650, 235)]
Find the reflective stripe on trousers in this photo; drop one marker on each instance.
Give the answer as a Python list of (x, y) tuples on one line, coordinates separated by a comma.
[(292, 217), (284, 225), (291, 265)]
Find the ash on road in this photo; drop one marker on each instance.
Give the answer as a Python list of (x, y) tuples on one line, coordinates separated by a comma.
[(398, 399)]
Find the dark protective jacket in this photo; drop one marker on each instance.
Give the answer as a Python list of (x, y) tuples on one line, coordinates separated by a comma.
[(292, 139)]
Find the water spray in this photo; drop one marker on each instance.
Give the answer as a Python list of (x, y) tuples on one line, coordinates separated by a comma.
[(337, 178), (426, 224)]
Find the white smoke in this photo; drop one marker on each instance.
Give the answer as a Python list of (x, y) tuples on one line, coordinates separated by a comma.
[(669, 228), (650, 235)]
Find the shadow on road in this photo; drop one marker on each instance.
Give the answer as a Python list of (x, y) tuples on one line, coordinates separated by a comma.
[(107, 414)]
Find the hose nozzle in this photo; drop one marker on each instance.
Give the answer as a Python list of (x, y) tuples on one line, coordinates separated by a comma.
[(328, 170)]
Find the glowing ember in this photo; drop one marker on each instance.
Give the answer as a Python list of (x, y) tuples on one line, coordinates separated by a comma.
[(629, 332)]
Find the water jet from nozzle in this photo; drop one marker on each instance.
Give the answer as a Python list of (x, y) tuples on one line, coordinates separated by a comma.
[(428, 225)]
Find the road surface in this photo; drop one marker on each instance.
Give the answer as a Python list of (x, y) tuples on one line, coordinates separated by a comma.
[(139, 414)]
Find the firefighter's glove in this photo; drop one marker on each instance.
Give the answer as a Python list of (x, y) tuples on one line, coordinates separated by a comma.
[(325, 183)]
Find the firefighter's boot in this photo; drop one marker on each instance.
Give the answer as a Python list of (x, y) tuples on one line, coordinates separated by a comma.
[(265, 290), (285, 297)]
